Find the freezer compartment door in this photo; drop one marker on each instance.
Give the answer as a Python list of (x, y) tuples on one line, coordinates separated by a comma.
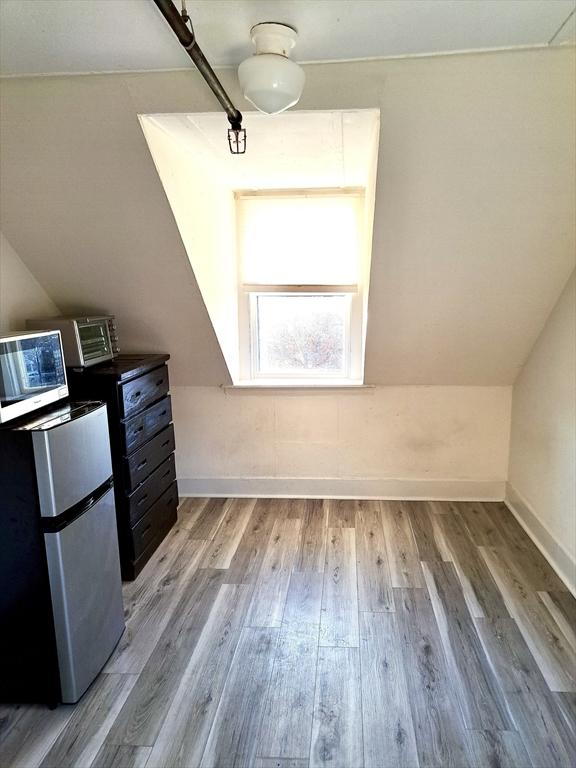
[(86, 589), (72, 459)]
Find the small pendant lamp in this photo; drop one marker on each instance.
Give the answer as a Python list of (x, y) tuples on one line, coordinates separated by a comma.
[(270, 80)]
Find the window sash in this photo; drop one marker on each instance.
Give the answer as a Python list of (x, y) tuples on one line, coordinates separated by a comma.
[(354, 341), (312, 374)]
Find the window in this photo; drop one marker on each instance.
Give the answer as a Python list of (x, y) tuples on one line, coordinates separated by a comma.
[(300, 334), (300, 293)]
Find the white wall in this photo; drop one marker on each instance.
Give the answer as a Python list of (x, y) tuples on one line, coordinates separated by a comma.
[(432, 442), (21, 295), (542, 473)]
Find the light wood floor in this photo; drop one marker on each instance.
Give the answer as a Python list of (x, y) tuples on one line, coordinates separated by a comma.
[(349, 634)]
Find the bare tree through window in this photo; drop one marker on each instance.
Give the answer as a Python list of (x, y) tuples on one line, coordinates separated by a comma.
[(301, 333)]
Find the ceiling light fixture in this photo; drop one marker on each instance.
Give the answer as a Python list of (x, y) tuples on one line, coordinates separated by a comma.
[(270, 80)]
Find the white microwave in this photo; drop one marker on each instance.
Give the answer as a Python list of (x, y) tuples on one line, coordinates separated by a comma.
[(32, 372), (86, 340)]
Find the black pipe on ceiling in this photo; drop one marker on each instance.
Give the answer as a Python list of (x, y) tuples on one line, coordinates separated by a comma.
[(188, 41)]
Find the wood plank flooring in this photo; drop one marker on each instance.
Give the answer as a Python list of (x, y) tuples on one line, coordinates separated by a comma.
[(328, 634)]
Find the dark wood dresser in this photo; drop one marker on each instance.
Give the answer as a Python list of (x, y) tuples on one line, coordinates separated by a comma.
[(136, 391)]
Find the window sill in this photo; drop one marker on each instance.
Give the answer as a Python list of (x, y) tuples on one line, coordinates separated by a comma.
[(281, 385)]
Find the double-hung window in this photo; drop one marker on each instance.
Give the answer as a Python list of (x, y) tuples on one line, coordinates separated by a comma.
[(300, 287)]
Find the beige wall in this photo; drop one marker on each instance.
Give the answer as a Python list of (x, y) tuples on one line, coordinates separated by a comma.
[(473, 236), (542, 474), (435, 442), (21, 295)]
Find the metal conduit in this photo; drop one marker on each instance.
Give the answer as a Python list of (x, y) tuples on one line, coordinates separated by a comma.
[(188, 41)]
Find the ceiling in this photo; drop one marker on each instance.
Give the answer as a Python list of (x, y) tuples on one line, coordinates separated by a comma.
[(287, 151), (76, 36)]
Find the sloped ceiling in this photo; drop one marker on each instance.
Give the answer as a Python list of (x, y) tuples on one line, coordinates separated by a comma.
[(474, 231)]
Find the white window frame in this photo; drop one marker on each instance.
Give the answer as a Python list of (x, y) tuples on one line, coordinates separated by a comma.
[(247, 296)]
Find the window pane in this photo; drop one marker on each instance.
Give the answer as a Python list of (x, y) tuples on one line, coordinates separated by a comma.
[(300, 240), (301, 334)]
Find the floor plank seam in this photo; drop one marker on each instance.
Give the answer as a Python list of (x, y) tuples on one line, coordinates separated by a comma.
[(316, 668), (360, 692)]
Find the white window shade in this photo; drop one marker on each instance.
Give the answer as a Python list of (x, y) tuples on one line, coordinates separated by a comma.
[(305, 239)]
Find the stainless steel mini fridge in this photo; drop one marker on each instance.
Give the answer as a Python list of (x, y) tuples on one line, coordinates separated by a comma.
[(59, 552)]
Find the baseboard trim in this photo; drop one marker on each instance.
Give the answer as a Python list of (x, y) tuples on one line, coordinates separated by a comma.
[(343, 488), (560, 560)]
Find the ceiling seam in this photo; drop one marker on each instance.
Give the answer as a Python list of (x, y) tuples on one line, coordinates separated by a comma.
[(305, 62), (561, 27)]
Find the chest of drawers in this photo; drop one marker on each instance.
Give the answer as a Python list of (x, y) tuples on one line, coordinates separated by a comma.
[(136, 390)]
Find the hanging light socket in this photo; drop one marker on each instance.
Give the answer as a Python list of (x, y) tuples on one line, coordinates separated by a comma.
[(237, 140), (270, 80)]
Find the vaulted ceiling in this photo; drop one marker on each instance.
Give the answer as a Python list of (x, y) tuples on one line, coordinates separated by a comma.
[(473, 237)]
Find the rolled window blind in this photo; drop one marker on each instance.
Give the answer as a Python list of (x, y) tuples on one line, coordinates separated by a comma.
[(300, 239)]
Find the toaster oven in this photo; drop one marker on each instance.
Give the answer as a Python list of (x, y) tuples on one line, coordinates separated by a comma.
[(86, 340)]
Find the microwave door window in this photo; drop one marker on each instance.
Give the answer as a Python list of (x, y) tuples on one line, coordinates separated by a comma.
[(30, 367), (43, 363), (10, 380)]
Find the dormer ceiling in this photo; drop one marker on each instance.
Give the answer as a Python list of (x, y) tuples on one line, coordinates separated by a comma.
[(296, 149), (61, 36)]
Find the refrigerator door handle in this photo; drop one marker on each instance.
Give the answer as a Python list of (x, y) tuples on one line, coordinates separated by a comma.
[(55, 524)]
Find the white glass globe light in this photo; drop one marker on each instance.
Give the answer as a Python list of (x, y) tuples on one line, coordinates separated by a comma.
[(270, 80)]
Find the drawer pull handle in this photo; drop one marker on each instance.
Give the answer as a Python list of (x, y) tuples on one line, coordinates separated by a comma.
[(163, 412), (168, 471), (145, 531), (136, 395), (138, 429), (142, 500), (142, 465), (164, 444), (159, 382)]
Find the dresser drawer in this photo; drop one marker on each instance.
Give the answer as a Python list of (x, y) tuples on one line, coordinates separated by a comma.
[(138, 394), (145, 460), (141, 428), (155, 520), (154, 486)]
